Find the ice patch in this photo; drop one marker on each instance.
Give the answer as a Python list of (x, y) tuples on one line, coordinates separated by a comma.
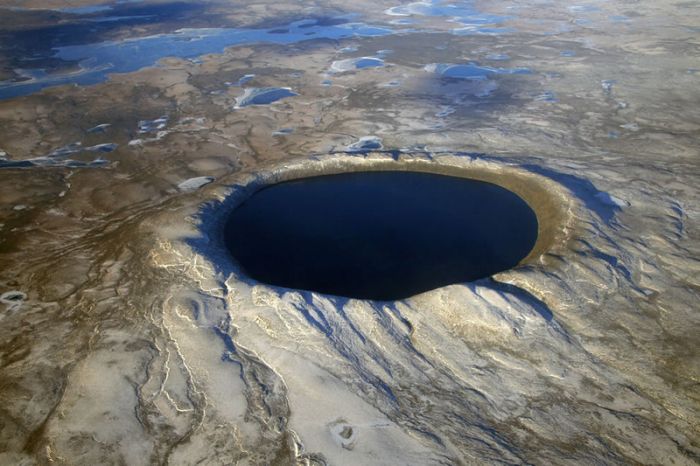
[(244, 79), (463, 13), (191, 123), (498, 56), (13, 300), (611, 200), (393, 83), (607, 85), (194, 184), (66, 150), (366, 143), (344, 433), (445, 111), (55, 159), (140, 142), (547, 96), (470, 71), (99, 128), (148, 126), (583, 8), (402, 22), (283, 132), (416, 8), (349, 64), (480, 30), (77, 147), (107, 147)]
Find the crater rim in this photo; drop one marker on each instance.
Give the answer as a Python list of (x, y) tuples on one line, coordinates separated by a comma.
[(550, 201)]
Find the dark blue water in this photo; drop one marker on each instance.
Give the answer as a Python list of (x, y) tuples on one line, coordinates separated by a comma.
[(368, 62), (379, 235), (264, 96)]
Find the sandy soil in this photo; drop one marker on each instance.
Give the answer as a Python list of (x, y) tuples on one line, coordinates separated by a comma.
[(126, 336)]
